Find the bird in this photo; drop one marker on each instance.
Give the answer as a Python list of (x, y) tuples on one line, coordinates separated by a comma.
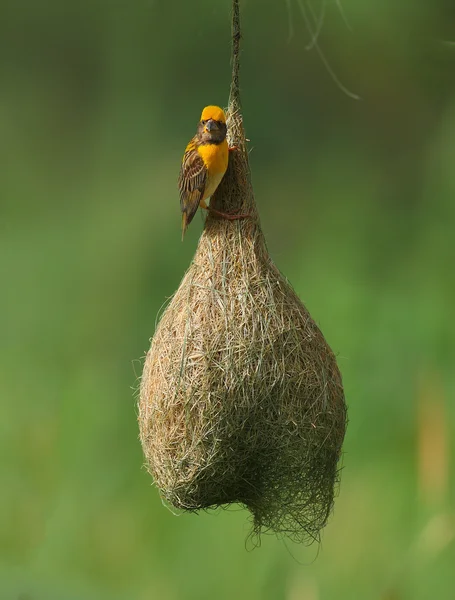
[(204, 164)]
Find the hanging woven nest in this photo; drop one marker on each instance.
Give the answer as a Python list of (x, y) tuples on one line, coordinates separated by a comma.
[(241, 399)]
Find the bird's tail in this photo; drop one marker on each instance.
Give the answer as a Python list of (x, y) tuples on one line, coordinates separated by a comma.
[(184, 224)]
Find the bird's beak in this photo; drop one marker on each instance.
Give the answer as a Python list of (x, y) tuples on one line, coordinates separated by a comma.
[(211, 125)]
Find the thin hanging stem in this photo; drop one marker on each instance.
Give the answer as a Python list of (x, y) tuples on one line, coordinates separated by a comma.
[(234, 97)]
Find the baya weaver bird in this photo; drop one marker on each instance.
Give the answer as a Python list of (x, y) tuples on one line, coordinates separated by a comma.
[(203, 166)]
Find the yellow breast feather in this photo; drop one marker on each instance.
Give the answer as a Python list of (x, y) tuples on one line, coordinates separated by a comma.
[(215, 157)]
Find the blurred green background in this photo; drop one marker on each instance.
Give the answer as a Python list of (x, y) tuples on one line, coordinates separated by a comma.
[(97, 102)]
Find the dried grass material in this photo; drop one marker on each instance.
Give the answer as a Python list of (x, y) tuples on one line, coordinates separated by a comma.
[(241, 399)]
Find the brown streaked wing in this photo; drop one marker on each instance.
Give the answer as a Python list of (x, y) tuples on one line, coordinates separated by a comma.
[(192, 181)]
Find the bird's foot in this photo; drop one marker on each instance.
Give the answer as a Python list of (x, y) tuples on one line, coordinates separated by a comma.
[(229, 216)]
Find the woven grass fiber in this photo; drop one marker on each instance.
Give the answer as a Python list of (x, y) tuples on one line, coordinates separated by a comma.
[(241, 400)]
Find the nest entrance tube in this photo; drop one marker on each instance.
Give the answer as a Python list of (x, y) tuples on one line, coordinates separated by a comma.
[(241, 399)]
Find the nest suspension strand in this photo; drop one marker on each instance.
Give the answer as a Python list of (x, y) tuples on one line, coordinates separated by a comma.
[(241, 399)]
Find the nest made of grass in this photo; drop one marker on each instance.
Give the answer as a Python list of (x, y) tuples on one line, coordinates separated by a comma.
[(241, 399)]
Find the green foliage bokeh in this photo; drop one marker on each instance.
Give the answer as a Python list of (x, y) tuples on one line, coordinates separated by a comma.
[(97, 102)]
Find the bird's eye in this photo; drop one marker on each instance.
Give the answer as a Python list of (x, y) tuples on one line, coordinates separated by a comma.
[(203, 122)]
